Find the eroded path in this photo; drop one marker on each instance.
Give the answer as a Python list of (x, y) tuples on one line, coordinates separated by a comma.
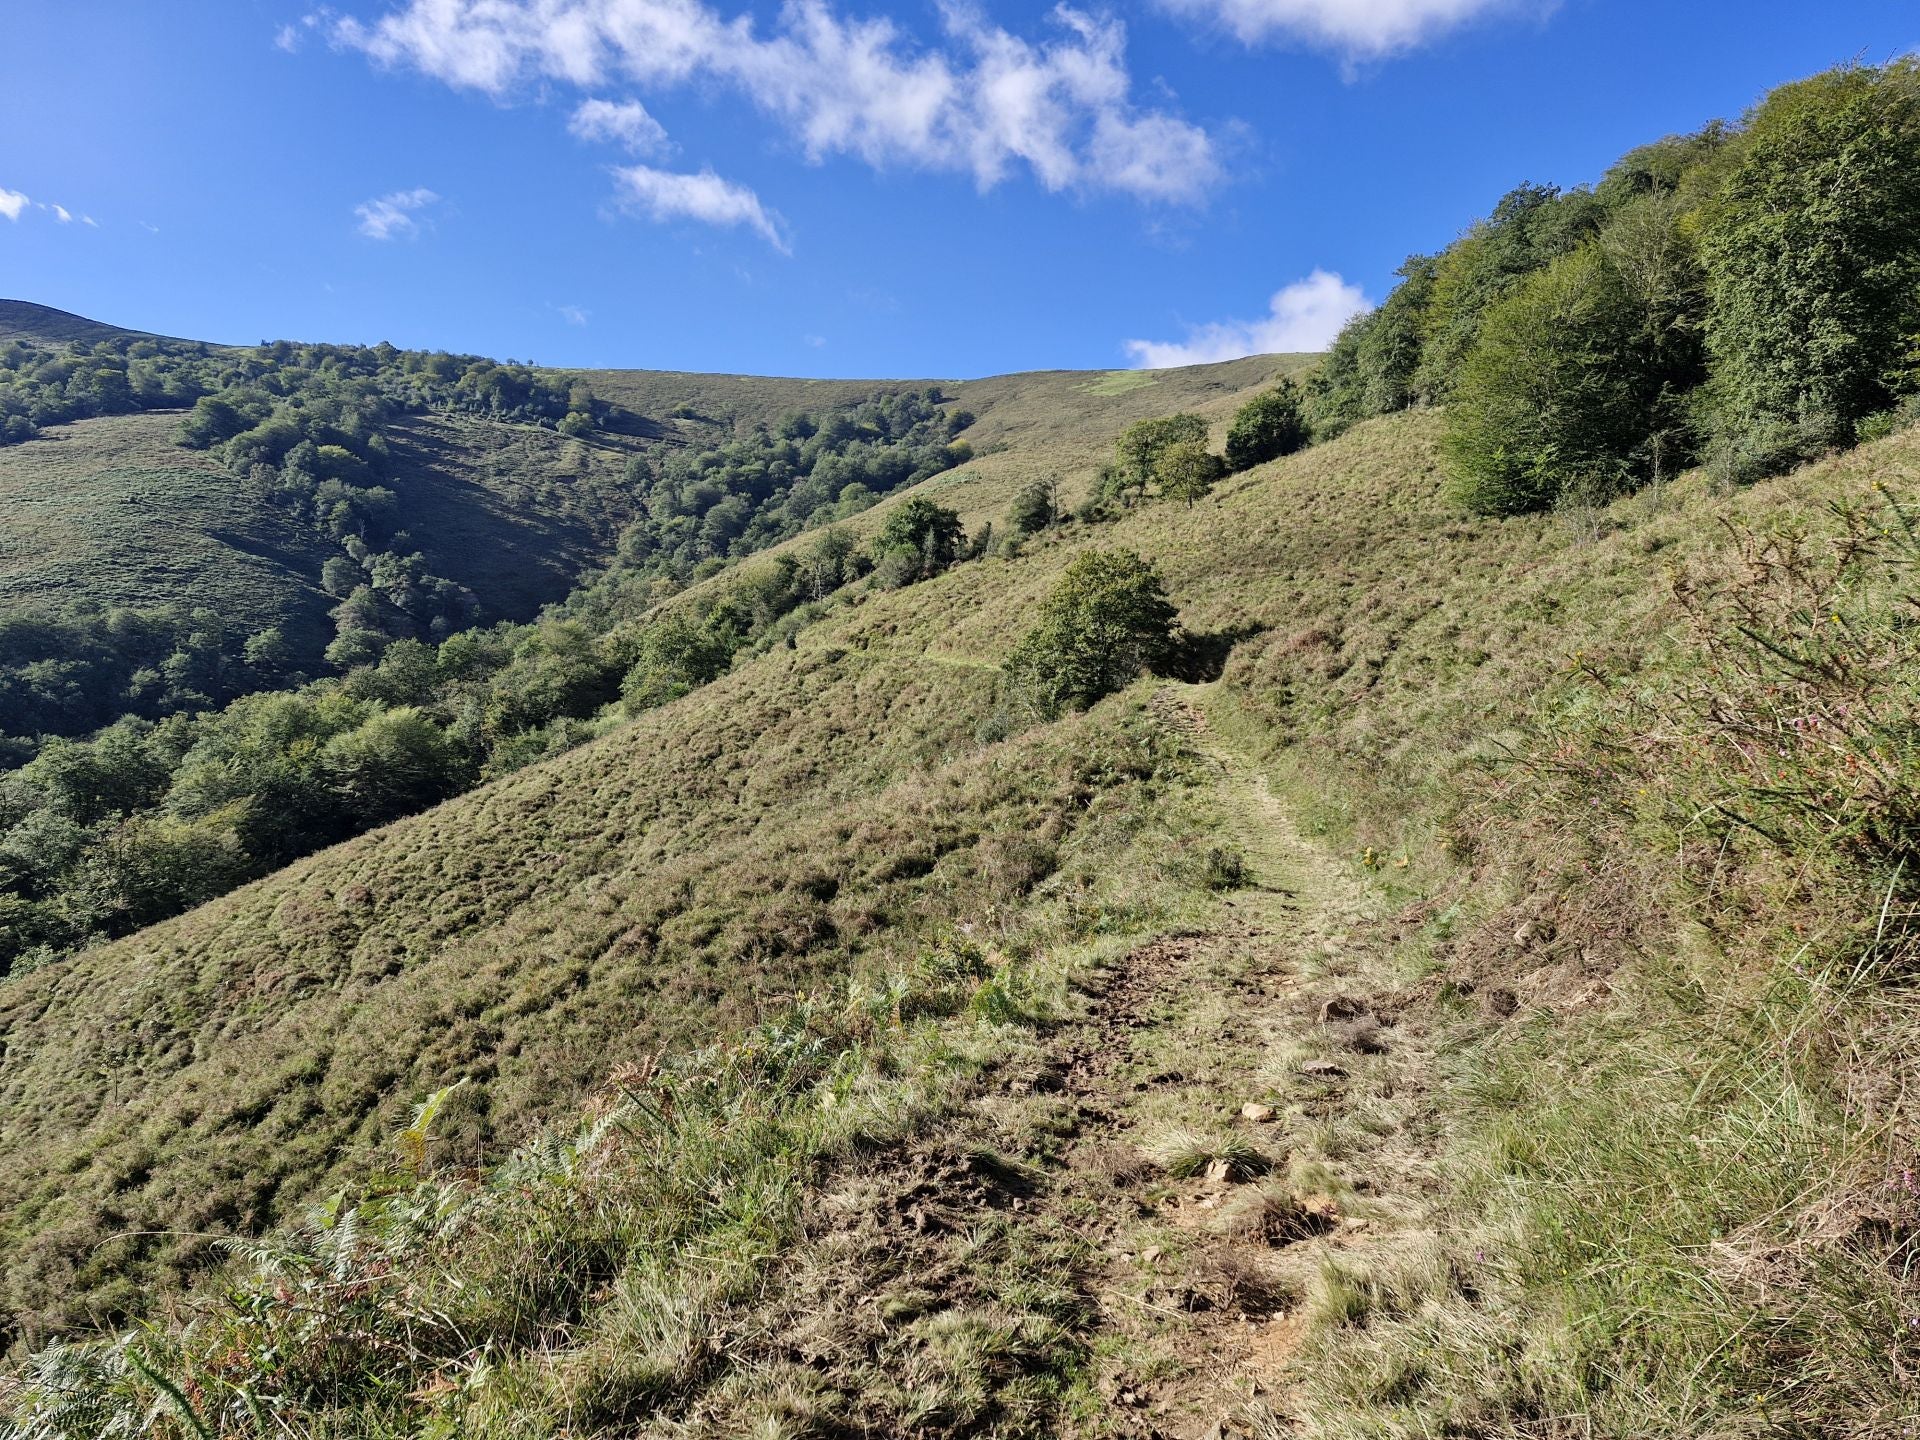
[(1253, 1124), (1128, 1227)]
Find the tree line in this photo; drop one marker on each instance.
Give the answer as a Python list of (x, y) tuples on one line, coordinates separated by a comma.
[(1747, 296)]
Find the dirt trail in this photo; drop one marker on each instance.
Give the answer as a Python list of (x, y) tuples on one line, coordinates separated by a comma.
[(1248, 1107)]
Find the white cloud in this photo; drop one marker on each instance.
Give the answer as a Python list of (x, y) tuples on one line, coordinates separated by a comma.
[(572, 314), (983, 103), (1358, 28), (291, 37), (62, 214), (625, 123), (391, 217), (663, 195), (1304, 316), (12, 202)]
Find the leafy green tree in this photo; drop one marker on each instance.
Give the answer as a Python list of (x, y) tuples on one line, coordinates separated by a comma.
[(151, 866), (118, 772), (1268, 426), (1187, 471), (1139, 447), (268, 654), (676, 656), (339, 576), (828, 563), (1649, 245), (1036, 506), (1813, 255), (918, 541), (395, 762), (1553, 392), (1106, 619), (1530, 227)]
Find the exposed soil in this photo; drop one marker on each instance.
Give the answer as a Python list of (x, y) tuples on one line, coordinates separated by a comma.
[(1176, 1276)]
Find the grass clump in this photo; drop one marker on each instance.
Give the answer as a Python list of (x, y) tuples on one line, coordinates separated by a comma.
[(1188, 1154)]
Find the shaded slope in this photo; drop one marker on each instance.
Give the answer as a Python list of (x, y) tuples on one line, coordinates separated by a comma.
[(113, 512), (24, 320)]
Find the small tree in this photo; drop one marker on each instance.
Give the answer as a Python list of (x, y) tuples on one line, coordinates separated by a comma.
[(918, 541), (1140, 445), (827, 564), (1106, 620), (1035, 508), (1187, 471), (676, 657), (1268, 426)]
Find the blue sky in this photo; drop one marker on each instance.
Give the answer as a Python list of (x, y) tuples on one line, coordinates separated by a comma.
[(833, 187)]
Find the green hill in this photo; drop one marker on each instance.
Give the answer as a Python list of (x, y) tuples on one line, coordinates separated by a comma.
[(845, 970), (24, 320)]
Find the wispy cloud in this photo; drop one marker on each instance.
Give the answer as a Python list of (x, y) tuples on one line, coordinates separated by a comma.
[(1303, 316), (1357, 29), (14, 204), (291, 37), (985, 102), (394, 216), (664, 195), (624, 122), (572, 314)]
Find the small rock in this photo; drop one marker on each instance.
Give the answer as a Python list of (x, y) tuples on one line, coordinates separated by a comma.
[(1150, 1254), (1218, 1172), (1322, 1067), (1259, 1114)]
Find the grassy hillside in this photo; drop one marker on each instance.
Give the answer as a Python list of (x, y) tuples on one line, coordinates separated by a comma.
[(834, 808), (868, 701), (24, 320), (113, 512), (1461, 984)]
